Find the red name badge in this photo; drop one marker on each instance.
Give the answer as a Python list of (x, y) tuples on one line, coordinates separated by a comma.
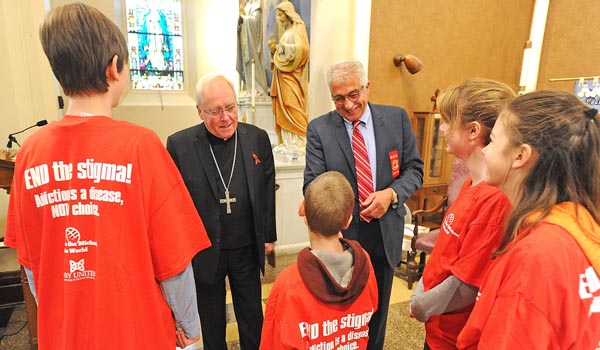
[(394, 163)]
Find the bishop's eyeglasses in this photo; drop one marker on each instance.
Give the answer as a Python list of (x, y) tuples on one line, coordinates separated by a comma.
[(217, 113)]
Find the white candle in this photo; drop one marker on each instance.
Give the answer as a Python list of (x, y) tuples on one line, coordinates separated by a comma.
[(252, 91), (536, 36), (526, 54)]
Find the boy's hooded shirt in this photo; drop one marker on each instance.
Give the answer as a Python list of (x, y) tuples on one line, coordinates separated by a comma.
[(307, 306)]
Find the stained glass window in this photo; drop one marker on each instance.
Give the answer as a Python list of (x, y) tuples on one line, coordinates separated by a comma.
[(154, 37)]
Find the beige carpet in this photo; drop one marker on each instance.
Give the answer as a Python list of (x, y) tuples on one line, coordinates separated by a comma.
[(15, 336), (403, 332)]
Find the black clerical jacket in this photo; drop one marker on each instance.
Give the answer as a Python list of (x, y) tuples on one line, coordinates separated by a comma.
[(190, 151)]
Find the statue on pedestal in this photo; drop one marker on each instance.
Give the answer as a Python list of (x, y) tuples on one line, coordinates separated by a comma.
[(289, 88), (250, 49)]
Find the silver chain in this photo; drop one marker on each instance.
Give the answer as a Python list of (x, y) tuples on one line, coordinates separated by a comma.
[(232, 165)]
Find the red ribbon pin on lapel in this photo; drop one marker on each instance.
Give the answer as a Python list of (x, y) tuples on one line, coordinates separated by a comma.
[(256, 160)]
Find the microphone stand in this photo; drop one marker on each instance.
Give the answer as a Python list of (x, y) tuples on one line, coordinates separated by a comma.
[(12, 138)]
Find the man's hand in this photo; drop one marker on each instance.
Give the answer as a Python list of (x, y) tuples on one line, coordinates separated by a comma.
[(183, 341), (269, 247), (377, 203)]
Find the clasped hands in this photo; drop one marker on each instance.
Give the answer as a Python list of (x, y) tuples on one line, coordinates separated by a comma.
[(377, 203)]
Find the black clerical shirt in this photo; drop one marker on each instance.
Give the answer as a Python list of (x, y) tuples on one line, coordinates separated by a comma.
[(237, 228)]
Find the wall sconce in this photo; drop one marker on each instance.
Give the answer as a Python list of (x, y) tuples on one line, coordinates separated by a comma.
[(412, 63)]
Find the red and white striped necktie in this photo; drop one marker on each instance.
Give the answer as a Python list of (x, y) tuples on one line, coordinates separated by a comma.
[(364, 177)]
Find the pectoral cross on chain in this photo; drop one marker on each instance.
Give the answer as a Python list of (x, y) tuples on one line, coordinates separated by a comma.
[(228, 201)]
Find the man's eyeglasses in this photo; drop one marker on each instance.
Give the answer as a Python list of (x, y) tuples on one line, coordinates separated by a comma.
[(352, 96), (216, 113)]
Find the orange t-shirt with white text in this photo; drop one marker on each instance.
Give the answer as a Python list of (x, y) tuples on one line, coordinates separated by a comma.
[(542, 294), (470, 232), (297, 319), (99, 213)]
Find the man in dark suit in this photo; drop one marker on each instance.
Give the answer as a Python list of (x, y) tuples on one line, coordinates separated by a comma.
[(229, 170), (394, 167)]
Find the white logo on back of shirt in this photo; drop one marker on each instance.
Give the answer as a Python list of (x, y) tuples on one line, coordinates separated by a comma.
[(74, 245), (77, 265), (78, 272), (589, 283), (72, 235)]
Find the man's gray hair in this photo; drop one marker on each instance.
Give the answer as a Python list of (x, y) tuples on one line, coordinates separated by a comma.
[(342, 70)]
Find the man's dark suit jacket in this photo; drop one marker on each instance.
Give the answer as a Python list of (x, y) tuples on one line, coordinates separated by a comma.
[(190, 151), (329, 148)]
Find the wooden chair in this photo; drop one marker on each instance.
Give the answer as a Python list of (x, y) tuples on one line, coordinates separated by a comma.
[(413, 270), (459, 173)]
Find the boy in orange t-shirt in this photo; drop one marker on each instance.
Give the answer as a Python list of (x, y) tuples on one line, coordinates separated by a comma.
[(100, 217), (327, 298)]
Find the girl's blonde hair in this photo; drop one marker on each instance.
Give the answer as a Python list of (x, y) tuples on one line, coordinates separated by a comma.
[(475, 100)]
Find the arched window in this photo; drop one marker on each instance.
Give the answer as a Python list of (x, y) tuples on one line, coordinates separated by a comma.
[(154, 37)]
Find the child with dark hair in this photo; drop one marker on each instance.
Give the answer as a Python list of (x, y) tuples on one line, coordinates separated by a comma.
[(330, 294)]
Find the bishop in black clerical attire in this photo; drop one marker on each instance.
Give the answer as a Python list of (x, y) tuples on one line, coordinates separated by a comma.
[(229, 171)]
